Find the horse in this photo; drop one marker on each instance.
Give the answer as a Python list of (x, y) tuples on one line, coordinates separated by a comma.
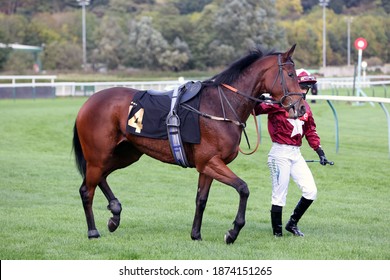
[(102, 145)]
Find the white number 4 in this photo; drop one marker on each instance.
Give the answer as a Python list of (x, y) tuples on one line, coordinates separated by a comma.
[(136, 120)]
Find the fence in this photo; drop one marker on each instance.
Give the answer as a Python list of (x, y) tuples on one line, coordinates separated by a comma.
[(358, 99), (86, 89), (52, 89), (17, 89)]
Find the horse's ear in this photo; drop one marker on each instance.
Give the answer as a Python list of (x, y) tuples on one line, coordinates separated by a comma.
[(290, 52)]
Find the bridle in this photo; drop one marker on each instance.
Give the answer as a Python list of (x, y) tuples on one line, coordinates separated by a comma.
[(286, 98)]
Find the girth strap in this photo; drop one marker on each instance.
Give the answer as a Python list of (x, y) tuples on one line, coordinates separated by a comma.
[(173, 128)]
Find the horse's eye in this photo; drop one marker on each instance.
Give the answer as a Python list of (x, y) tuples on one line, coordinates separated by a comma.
[(291, 74)]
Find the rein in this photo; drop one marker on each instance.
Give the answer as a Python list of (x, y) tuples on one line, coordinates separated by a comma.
[(208, 116), (261, 99), (258, 138), (224, 118), (286, 94)]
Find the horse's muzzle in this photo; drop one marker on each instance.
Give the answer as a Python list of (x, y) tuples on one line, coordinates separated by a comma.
[(297, 111)]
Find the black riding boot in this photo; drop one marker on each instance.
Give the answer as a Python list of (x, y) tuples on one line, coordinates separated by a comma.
[(299, 210), (276, 220)]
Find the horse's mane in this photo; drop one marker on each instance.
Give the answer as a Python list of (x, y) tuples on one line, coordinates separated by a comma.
[(232, 73)]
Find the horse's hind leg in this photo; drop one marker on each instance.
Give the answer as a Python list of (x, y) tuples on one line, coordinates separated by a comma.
[(87, 192), (124, 154), (113, 205)]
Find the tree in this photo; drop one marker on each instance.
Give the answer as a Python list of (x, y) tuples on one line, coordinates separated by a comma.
[(305, 33), (190, 34), (45, 28), (200, 37), (386, 5), (182, 54), (309, 4), (31, 7), (289, 9), (125, 6), (19, 62), (146, 44), (352, 3), (14, 28), (374, 30), (63, 56), (220, 54), (4, 52), (244, 24), (9, 6), (111, 43), (172, 60), (149, 49), (190, 6), (336, 6)]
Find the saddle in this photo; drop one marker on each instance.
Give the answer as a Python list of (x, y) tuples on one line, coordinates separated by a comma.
[(188, 91), (158, 114)]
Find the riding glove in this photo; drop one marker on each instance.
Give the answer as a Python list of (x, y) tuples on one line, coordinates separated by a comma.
[(321, 154)]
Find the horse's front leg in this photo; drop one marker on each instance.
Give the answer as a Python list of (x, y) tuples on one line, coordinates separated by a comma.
[(204, 183), (239, 222), (113, 205), (218, 170)]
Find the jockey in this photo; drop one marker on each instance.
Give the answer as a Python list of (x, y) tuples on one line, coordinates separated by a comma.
[(285, 159), (304, 78)]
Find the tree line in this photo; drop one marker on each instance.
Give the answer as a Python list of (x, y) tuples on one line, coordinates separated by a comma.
[(179, 35)]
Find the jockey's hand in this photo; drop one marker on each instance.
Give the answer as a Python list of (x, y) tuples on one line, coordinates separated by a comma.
[(323, 159)]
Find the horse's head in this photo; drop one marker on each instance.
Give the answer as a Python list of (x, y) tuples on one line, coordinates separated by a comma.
[(281, 83)]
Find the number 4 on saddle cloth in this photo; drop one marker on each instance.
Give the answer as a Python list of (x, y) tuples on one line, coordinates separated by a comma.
[(160, 115)]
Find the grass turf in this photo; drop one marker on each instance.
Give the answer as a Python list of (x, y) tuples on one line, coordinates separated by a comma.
[(42, 215)]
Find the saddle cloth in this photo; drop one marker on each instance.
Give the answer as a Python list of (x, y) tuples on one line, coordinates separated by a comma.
[(148, 114)]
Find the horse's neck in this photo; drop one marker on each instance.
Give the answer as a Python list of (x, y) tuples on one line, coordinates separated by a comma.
[(253, 85), (243, 105)]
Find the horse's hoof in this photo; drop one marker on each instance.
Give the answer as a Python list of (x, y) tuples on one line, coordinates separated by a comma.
[(93, 234), (196, 238), (228, 238), (113, 224)]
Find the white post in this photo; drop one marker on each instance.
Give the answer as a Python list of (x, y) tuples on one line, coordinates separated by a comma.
[(84, 37), (364, 68), (359, 70), (349, 21), (324, 3), (84, 3), (359, 90), (323, 37)]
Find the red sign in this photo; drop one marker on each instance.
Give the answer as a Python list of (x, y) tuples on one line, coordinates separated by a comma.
[(360, 43)]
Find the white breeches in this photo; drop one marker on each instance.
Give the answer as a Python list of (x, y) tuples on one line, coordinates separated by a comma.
[(285, 161)]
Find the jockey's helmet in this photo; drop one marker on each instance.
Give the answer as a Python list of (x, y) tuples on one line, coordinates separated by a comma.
[(305, 79)]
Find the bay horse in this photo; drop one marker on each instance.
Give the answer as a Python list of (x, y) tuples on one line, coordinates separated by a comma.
[(102, 145)]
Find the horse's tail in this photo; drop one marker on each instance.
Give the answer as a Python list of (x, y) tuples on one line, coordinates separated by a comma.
[(78, 152)]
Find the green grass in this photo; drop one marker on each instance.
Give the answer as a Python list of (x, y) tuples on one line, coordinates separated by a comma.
[(42, 215)]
